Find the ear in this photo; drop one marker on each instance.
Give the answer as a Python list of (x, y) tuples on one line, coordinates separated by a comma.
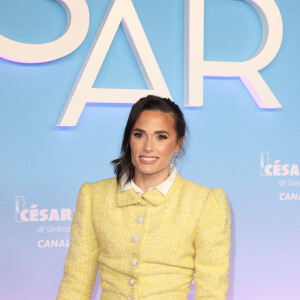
[(179, 144)]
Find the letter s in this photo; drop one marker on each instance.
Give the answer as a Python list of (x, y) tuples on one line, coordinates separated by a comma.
[(78, 20)]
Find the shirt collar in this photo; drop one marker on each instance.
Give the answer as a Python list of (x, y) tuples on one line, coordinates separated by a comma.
[(163, 187), (152, 196)]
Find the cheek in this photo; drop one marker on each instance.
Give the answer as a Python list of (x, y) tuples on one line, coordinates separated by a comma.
[(133, 145), (168, 149)]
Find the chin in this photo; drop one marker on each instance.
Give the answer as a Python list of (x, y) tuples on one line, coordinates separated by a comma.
[(151, 170), (148, 171)]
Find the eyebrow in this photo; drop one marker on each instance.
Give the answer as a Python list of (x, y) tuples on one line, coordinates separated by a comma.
[(157, 132)]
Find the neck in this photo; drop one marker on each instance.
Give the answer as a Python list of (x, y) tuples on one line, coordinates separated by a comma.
[(145, 181)]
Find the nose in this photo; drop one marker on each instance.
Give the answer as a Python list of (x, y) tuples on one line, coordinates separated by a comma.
[(148, 146)]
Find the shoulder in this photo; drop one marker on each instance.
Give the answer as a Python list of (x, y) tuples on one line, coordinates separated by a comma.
[(217, 199), (97, 193), (192, 187), (207, 194)]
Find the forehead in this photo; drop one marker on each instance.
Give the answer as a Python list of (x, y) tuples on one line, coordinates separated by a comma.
[(155, 119)]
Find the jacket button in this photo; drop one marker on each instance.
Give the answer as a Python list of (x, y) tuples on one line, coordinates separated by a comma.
[(134, 238), (134, 262), (140, 219), (131, 281)]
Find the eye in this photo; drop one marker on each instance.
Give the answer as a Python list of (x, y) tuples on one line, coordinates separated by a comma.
[(138, 135), (162, 137)]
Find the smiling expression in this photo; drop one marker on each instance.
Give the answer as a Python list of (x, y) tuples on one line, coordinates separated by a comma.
[(153, 142)]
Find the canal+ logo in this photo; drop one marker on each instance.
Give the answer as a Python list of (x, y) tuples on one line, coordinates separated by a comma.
[(35, 214), (276, 168)]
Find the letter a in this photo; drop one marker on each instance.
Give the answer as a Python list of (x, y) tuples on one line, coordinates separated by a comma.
[(196, 68), (120, 11)]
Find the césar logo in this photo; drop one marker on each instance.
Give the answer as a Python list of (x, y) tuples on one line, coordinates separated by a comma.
[(34, 214), (276, 168)]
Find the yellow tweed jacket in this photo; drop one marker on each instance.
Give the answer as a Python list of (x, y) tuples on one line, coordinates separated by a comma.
[(148, 246)]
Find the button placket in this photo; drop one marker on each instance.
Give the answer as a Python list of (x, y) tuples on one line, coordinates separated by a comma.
[(136, 238)]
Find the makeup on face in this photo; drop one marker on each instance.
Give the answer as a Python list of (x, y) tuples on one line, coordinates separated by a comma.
[(153, 143)]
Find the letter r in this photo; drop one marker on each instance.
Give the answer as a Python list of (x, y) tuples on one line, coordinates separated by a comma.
[(196, 68)]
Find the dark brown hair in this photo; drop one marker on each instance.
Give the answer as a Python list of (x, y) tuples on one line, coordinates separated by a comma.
[(123, 164)]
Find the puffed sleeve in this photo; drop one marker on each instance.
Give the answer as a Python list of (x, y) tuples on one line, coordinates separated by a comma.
[(212, 245), (81, 266)]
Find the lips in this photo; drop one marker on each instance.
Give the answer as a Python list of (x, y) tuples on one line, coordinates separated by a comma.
[(148, 159)]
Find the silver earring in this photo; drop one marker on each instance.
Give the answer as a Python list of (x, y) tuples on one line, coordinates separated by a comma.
[(176, 158)]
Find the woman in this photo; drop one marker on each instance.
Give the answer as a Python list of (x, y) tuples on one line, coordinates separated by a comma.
[(149, 228)]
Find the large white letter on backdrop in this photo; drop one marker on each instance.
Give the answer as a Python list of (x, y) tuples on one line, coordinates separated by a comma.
[(119, 12), (196, 68), (78, 20)]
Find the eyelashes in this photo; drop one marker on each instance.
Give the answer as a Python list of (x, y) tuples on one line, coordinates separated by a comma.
[(139, 135), (162, 137)]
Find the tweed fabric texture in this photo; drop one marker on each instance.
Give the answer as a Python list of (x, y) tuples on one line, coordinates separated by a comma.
[(149, 246)]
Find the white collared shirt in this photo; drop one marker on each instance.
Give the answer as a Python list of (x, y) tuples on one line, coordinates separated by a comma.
[(162, 187)]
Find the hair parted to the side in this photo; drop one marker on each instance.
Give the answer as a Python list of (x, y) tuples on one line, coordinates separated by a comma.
[(123, 164)]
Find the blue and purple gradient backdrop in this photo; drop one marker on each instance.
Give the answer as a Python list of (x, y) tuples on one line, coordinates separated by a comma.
[(47, 164)]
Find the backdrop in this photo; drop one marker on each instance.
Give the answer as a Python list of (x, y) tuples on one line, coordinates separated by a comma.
[(252, 153)]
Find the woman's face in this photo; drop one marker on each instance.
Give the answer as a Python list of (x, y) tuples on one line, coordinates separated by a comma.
[(153, 142)]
